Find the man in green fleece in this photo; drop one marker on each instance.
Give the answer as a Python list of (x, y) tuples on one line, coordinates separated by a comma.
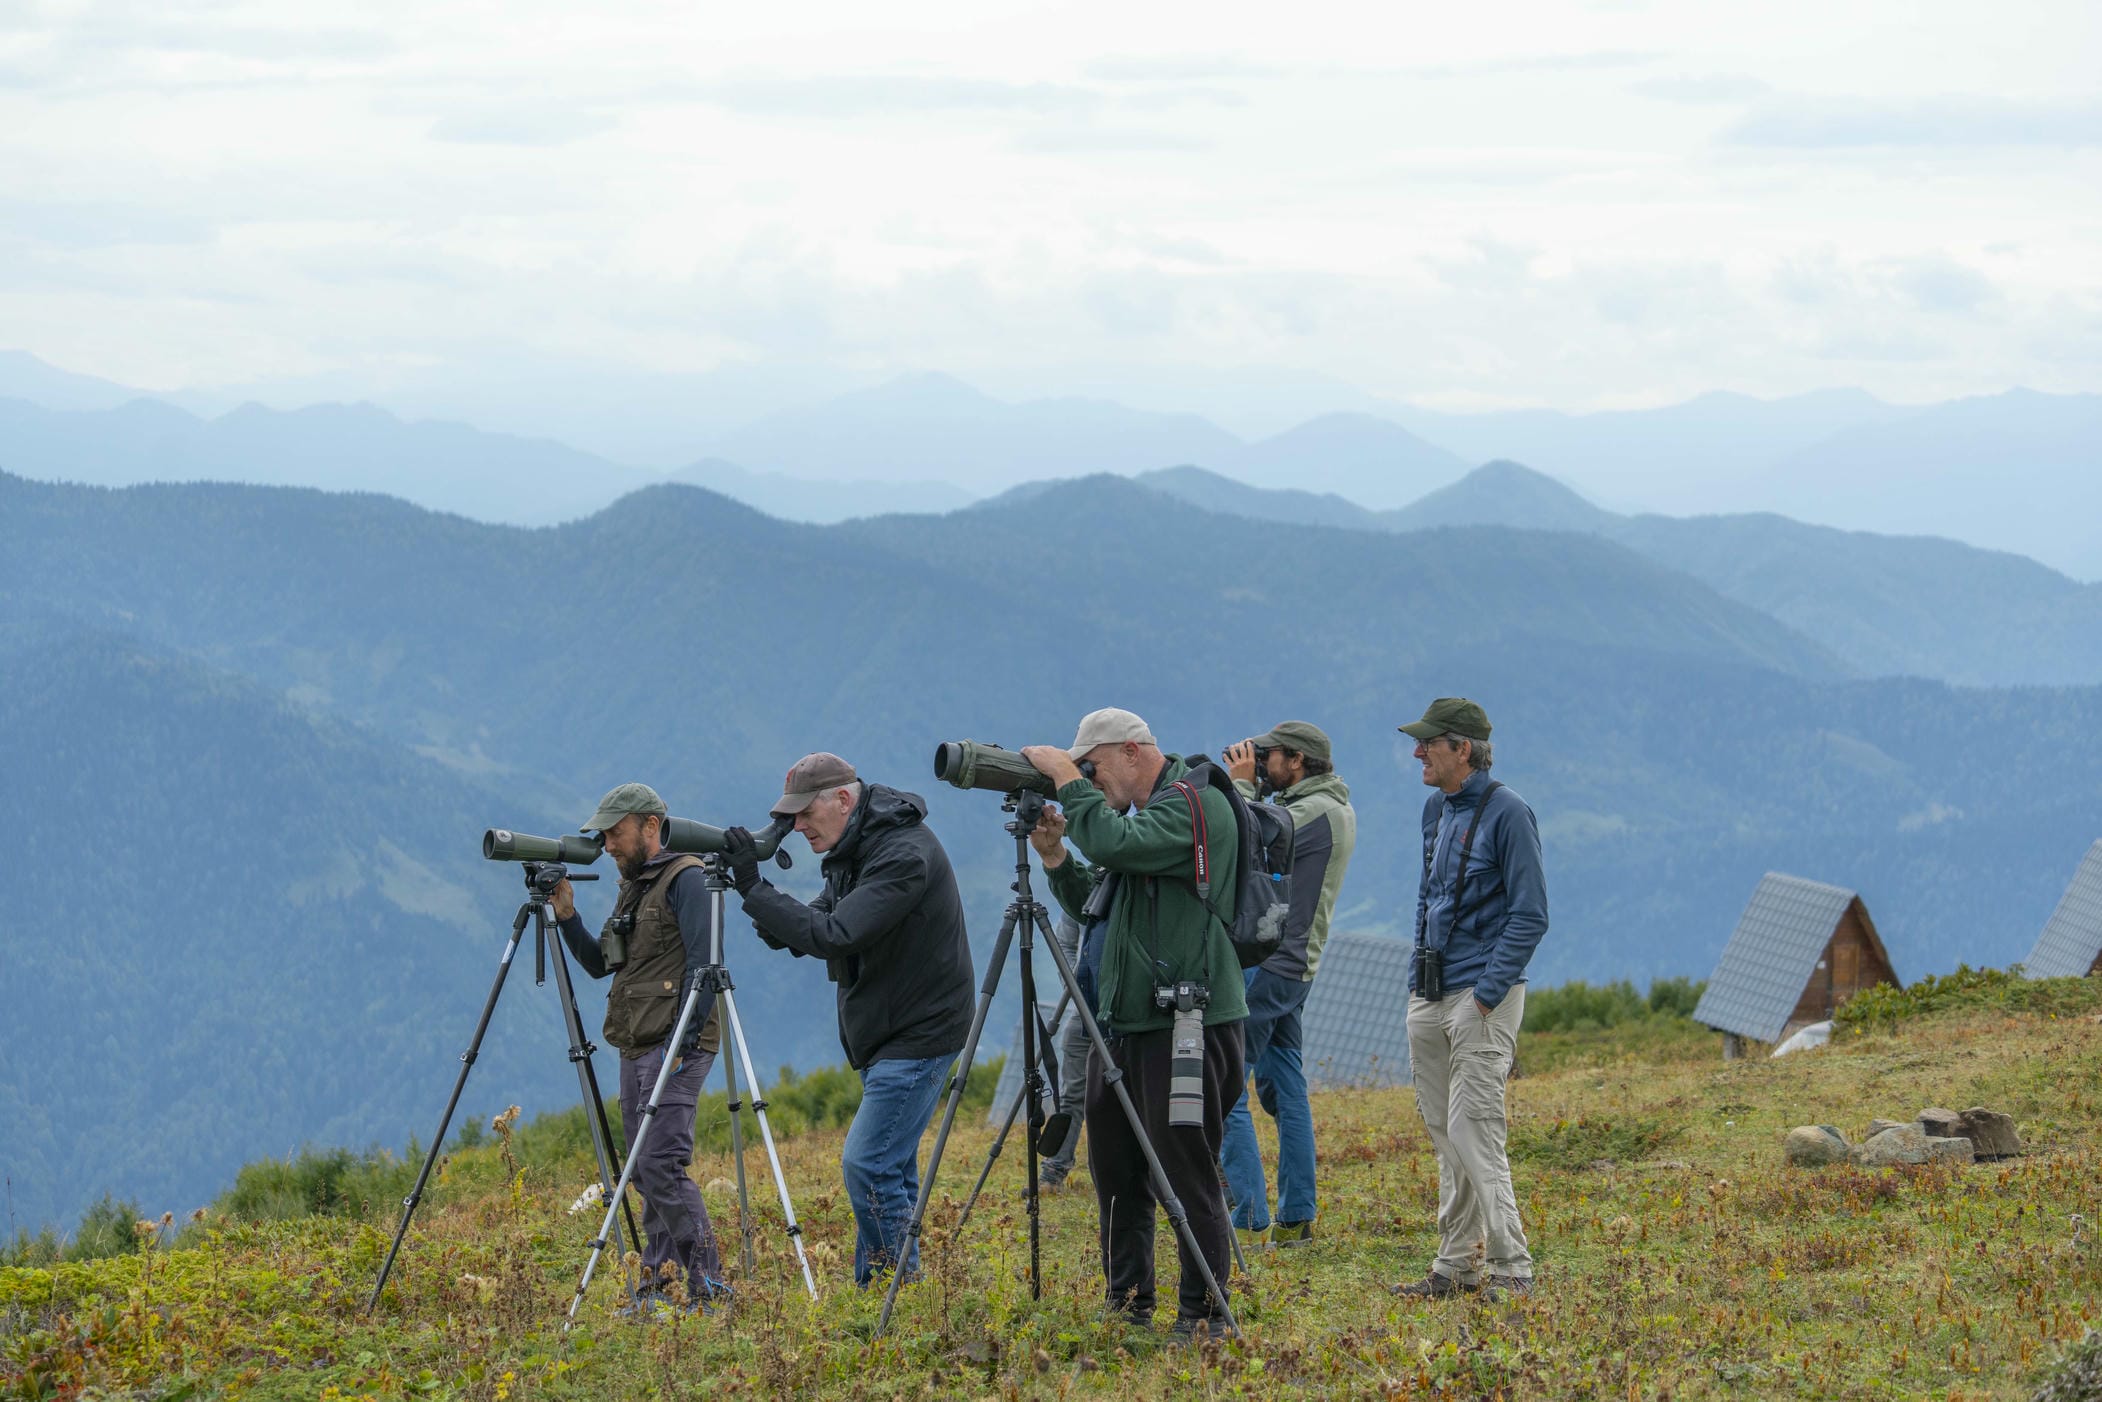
[(1134, 830)]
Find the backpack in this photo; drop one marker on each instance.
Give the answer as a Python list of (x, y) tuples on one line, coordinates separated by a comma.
[(1263, 886)]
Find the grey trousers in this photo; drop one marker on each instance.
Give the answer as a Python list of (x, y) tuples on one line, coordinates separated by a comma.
[(674, 1218), (1460, 1060), (1072, 1086)]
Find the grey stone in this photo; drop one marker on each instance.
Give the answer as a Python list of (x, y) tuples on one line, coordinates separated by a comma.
[(1813, 1146), (1991, 1133), (1876, 1127), (1937, 1123), (1909, 1144)]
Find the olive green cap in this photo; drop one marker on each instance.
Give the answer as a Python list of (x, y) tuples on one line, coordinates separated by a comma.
[(1299, 736), (1451, 715), (620, 802)]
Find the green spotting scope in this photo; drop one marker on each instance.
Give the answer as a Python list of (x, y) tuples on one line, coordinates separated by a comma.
[(504, 845), (972, 764), (703, 839)]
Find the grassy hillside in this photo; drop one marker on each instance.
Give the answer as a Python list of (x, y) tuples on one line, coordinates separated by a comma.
[(1678, 1256)]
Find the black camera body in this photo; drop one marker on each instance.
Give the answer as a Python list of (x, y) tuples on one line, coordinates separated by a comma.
[(1430, 973), (1182, 997)]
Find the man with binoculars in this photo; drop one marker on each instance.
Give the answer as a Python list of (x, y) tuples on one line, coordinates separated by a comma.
[(1165, 959), (654, 941)]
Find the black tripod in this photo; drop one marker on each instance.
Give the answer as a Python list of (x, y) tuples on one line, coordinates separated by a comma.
[(541, 879), (711, 985), (1030, 915)]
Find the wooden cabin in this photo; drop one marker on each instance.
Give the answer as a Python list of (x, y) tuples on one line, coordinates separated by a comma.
[(1800, 950)]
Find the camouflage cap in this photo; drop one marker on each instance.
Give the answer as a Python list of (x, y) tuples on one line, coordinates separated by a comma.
[(810, 776), (1299, 736), (620, 802), (1450, 715)]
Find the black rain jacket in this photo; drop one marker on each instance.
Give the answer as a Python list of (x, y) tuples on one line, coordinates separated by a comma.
[(889, 926)]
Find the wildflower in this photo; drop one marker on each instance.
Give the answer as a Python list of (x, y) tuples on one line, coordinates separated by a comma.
[(198, 1215)]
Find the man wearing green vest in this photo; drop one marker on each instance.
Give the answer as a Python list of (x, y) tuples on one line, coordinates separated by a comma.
[(663, 907), (1295, 763), (1114, 787)]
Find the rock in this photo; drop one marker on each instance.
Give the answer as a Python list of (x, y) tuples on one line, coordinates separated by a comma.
[(1876, 1127), (1991, 1133), (1937, 1123), (1813, 1146), (1909, 1144)]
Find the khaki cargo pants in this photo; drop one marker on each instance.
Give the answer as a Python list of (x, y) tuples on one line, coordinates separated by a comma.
[(1459, 1060)]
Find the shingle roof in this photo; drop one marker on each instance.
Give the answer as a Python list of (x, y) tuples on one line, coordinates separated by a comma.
[(2072, 937), (1357, 1014), (1771, 955)]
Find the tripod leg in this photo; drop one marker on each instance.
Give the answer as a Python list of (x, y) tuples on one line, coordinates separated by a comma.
[(766, 1136), (1033, 1127), (1240, 1260), (580, 1050), (957, 1078), (1014, 1109), (1113, 1077), (642, 1131), (736, 1109), (452, 1102)]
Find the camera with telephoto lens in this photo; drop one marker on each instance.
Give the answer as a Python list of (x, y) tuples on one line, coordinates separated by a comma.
[(1186, 1055), (1430, 973), (613, 939)]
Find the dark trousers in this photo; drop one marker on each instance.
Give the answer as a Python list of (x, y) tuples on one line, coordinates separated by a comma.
[(1123, 1188), (674, 1218)]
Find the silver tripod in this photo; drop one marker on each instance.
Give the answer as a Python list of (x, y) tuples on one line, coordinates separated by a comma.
[(711, 985)]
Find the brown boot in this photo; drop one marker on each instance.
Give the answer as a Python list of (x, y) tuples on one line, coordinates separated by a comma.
[(1433, 1286)]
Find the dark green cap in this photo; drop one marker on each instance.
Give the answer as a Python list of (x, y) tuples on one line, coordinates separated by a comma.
[(1299, 736), (1451, 715), (620, 802)]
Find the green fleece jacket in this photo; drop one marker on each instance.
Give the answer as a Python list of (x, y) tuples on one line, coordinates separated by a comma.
[(1156, 911)]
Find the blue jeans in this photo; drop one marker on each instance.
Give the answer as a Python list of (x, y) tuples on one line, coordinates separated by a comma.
[(881, 1160), (1272, 1032)]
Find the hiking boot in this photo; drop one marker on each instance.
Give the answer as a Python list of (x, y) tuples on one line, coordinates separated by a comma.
[(1253, 1238), (1433, 1286), (1051, 1178), (1191, 1329), (1503, 1286), (1292, 1233)]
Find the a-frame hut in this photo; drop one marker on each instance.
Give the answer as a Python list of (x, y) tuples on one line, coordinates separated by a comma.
[(2071, 944), (1800, 949)]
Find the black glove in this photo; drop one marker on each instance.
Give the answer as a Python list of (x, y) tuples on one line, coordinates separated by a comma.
[(741, 855)]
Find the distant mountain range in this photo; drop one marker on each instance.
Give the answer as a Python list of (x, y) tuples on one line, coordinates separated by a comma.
[(2019, 471), (1887, 605), (256, 734)]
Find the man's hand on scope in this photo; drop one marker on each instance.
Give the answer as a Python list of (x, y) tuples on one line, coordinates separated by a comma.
[(741, 855), (1048, 837), (1053, 763), (564, 900), (1240, 761)]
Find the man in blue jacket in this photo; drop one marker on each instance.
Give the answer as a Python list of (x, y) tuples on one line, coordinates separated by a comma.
[(1480, 913)]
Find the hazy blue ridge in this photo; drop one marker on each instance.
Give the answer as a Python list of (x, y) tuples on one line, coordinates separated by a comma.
[(330, 696)]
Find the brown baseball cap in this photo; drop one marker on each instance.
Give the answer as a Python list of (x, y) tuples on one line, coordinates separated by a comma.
[(810, 776)]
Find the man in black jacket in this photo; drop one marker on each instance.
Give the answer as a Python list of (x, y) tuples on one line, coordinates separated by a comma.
[(889, 926)]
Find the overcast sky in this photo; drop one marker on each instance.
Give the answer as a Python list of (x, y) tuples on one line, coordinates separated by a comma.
[(1564, 204)]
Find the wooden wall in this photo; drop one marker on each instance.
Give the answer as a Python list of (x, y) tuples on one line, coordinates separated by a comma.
[(1850, 963)]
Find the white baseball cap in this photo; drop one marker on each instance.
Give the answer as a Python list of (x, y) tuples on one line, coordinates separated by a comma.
[(1108, 726)]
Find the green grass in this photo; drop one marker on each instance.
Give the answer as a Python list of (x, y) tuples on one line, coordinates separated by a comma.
[(1678, 1256)]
